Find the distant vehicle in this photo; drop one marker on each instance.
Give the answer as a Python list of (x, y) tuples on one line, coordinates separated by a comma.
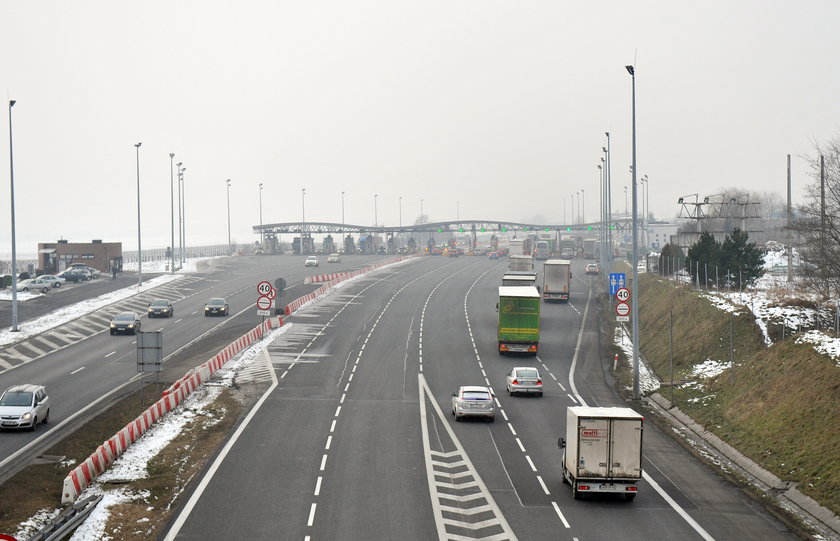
[(436, 251), (75, 275), (34, 284), (381, 250), (453, 253), (493, 255), (53, 279), (402, 250), (524, 379), (311, 261), (567, 253), (520, 263), (94, 273), (542, 250), (641, 268), (334, 258), (602, 450), (259, 251), (126, 323), (24, 406), (590, 247), (160, 308), (557, 280), (216, 307), (473, 401), (593, 268)]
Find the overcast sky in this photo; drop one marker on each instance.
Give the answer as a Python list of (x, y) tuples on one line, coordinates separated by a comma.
[(493, 110)]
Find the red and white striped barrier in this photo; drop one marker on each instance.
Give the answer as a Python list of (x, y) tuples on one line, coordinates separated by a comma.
[(95, 465)]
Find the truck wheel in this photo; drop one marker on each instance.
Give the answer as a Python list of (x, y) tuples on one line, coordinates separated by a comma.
[(629, 496), (575, 492)]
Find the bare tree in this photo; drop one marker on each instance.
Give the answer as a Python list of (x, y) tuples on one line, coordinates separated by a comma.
[(817, 220)]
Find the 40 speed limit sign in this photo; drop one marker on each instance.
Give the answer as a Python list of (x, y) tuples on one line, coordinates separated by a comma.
[(622, 294), (264, 288)]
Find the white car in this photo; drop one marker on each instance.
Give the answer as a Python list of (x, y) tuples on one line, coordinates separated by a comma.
[(524, 379), (473, 401), (311, 261), (34, 284), (334, 258), (24, 406), (56, 281)]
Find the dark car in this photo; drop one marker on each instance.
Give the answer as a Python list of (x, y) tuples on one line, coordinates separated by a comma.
[(126, 323), (216, 307), (161, 308), (75, 275)]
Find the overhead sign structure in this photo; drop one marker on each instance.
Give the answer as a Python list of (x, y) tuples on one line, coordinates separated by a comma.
[(617, 281), (622, 294)]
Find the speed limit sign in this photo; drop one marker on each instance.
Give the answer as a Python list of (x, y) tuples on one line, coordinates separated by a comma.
[(622, 295), (264, 288)]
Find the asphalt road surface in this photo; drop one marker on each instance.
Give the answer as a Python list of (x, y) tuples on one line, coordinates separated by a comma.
[(354, 438)]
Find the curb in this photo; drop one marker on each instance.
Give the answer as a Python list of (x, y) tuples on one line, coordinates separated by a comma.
[(784, 492)]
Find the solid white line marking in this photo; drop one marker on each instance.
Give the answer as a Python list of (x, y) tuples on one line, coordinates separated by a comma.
[(77, 370), (560, 514), (311, 520)]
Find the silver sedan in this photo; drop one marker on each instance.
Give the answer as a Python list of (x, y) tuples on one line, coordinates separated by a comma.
[(473, 401), (524, 379)]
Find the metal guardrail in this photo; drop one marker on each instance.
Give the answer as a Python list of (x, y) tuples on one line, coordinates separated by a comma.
[(67, 521)]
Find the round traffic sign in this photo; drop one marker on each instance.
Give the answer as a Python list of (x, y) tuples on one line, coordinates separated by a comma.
[(622, 309), (623, 294), (264, 288), (263, 303), (272, 293)]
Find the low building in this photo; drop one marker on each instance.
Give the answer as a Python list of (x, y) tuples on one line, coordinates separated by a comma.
[(54, 257)]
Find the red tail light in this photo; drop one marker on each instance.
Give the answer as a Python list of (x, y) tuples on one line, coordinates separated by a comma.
[(539, 382), (631, 489), (583, 487), (515, 382)]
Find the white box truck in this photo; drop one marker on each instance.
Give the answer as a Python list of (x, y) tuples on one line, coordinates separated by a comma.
[(602, 451), (521, 263), (557, 280)]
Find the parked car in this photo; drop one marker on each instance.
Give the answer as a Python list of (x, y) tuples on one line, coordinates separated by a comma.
[(493, 255), (216, 307), (94, 273), (311, 261), (34, 284), (75, 275), (126, 323), (334, 258), (160, 308), (593, 268), (56, 281), (24, 406), (524, 379), (473, 401)]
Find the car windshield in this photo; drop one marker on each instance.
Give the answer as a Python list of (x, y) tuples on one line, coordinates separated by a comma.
[(476, 395), (160, 304), (526, 373), (125, 316), (311, 258), (216, 302), (16, 398)]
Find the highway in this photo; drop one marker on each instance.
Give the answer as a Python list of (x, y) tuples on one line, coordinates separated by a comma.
[(354, 439)]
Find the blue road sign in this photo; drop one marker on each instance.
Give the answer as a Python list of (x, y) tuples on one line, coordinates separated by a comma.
[(617, 281)]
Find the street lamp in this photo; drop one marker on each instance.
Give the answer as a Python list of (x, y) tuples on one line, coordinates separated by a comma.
[(375, 217), (302, 218), (400, 198), (14, 245), (262, 234), (139, 249), (583, 207), (230, 251), (182, 212), (171, 214), (625, 202), (342, 208), (634, 316), (578, 206)]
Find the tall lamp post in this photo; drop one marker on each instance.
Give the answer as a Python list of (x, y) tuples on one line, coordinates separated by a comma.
[(230, 251), (400, 198), (302, 218), (183, 216), (583, 207), (171, 213), (139, 248), (609, 206), (14, 242), (375, 217), (262, 234), (342, 208), (180, 218), (634, 314)]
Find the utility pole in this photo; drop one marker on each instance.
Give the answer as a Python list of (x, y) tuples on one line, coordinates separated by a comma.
[(790, 239), (635, 306)]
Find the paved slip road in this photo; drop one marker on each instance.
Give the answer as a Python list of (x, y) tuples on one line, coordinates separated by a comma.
[(80, 362), (354, 440)]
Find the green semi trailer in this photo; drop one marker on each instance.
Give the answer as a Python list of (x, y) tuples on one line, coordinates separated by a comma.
[(519, 319)]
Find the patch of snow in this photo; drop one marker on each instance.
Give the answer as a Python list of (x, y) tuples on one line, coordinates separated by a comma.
[(827, 345), (648, 382)]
